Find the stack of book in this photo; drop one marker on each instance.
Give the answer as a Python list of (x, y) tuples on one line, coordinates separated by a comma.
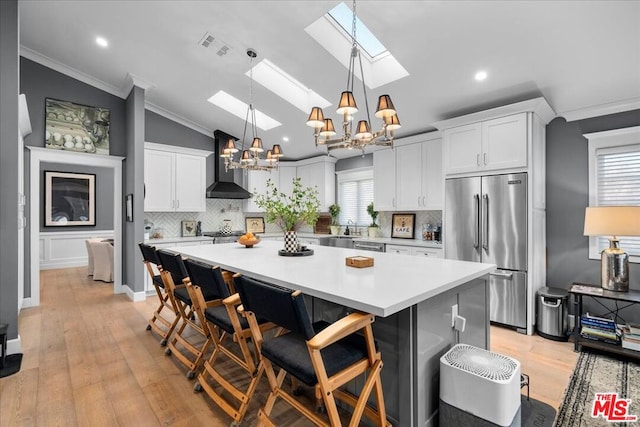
[(631, 337), (598, 329)]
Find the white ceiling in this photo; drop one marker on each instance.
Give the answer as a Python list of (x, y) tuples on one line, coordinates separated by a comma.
[(577, 54)]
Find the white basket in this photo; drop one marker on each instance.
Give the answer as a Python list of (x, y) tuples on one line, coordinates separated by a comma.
[(480, 382)]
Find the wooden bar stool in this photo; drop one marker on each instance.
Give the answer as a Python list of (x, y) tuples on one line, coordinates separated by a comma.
[(321, 356)]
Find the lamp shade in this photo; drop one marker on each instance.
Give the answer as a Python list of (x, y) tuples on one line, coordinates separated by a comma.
[(612, 221), (392, 122), (385, 107), (246, 156), (327, 130), (230, 147), (363, 131), (270, 157), (277, 151), (347, 104), (256, 145), (316, 118)]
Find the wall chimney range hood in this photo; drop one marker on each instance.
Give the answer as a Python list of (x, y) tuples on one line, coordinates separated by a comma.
[(223, 186)]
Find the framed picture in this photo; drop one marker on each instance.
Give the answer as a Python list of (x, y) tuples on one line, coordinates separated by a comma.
[(69, 199), (403, 225), (254, 224), (188, 228), (76, 127), (129, 207)]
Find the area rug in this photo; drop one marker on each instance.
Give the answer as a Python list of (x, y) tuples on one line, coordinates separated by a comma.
[(11, 365), (596, 373), (532, 413)]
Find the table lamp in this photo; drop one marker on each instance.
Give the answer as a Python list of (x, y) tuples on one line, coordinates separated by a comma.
[(613, 221)]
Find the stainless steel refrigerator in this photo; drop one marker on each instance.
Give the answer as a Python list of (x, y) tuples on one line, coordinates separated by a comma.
[(486, 221)]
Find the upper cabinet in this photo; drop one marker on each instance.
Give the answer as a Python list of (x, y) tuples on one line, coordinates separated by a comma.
[(317, 172), (409, 177), (486, 146), (174, 178)]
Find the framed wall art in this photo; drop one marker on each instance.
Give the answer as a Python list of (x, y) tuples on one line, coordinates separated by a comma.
[(69, 199), (403, 225), (188, 228), (254, 224), (76, 127)]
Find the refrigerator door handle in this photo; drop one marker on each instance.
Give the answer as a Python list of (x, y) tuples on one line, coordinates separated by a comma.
[(504, 275), (485, 221), (476, 215)]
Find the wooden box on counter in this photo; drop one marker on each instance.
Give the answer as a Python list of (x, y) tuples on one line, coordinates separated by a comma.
[(359, 261)]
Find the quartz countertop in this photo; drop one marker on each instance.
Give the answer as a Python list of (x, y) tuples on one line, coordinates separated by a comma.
[(178, 240), (394, 283)]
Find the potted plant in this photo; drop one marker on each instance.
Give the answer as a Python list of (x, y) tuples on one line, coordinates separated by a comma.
[(373, 228), (290, 211), (334, 211)]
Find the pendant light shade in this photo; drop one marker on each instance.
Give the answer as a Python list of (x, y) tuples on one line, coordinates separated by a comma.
[(347, 103), (277, 151), (246, 156), (385, 107), (363, 130), (316, 118), (230, 148), (256, 145), (270, 157), (392, 122), (327, 130)]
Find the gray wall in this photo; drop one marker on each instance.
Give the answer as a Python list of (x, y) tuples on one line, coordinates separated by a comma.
[(355, 162), (9, 168), (568, 196), (104, 195), (161, 130)]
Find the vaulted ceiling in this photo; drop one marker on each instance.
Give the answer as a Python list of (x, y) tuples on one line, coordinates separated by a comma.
[(577, 54)]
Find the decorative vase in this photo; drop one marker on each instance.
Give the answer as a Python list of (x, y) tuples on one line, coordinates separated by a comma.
[(335, 229), (373, 231), (290, 241)]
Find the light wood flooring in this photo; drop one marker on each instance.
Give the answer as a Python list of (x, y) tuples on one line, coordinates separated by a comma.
[(88, 361)]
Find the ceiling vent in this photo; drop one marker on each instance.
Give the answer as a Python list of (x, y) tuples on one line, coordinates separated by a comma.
[(206, 40), (223, 50)]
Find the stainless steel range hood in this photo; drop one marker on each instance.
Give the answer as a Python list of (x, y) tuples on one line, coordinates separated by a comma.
[(224, 186)]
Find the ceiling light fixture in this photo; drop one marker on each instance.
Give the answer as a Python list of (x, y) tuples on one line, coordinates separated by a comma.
[(364, 136), (250, 159), (481, 75), (102, 42)]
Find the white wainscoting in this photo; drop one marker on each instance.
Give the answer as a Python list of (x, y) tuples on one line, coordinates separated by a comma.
[(59, 249)]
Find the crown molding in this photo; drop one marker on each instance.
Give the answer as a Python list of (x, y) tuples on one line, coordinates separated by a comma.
[(178, 119), (601, 110), (133, 80), (71, 72)]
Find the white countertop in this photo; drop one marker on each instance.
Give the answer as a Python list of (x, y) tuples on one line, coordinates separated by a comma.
[(178, 240), (394, 283)]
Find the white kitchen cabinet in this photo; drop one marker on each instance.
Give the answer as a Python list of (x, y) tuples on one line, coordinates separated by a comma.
[(414, 251), (486, 146), (174, 179), (320, 173), (256, 183), (287, 175), (384, 179), (419, 179)]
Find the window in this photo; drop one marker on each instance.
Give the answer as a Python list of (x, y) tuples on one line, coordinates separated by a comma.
[(355, 192), (614, 179)]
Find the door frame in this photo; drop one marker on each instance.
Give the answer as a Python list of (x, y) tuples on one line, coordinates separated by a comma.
[(39, 155)]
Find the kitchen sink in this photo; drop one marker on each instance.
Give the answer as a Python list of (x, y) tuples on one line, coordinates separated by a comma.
[(340, 241)]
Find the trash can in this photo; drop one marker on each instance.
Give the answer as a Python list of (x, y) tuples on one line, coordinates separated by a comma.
[(551, 313)]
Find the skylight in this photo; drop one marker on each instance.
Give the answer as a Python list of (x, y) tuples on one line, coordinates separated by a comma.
[(285, 86), (365, 38), (239, 109), (333, 34)]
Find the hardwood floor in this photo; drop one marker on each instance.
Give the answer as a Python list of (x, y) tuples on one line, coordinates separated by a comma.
[(88, 361)]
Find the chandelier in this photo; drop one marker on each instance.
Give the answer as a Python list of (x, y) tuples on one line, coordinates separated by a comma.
[(323, 129), (250, 158)]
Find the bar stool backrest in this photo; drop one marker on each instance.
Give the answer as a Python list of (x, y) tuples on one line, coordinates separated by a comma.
[(208, 278), (149, 253), (173, 263), (276, 304)]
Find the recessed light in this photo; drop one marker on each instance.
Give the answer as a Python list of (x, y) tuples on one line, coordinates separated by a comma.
[(102, 42), (481, 75), (285, 139)]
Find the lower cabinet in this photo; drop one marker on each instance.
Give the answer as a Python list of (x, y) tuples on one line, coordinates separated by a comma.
[(415, 251)]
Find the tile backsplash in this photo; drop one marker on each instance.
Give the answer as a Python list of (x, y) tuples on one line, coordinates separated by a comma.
[(220, 209)]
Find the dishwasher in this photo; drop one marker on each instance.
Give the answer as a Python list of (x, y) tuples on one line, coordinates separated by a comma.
[(369, 246)]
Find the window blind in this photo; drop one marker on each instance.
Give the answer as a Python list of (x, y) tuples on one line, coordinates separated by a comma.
[(354, 195), (618, 184)]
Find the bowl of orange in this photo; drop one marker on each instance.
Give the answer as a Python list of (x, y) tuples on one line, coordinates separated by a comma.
[(248, 240)]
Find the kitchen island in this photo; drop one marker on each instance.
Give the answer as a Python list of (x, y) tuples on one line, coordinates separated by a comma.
[(412, 298)]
